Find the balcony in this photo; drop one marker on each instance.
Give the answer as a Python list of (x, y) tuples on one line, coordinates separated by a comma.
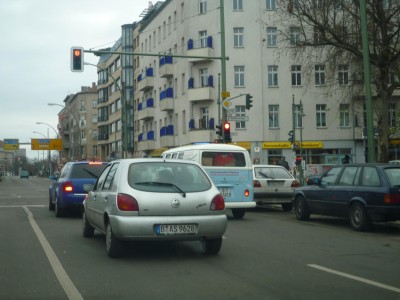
[(167, 99), (166, 67), (146, 109), (167, 138), (202, 51), (146, 141), (201, 94), (146, 81), (203, 131)]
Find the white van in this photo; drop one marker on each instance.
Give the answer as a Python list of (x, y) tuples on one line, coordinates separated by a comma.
[(230, 168)]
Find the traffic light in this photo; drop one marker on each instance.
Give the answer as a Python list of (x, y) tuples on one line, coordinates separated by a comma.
[(290, 139), (219, 130), (227, 132), (249, 101), (76, 59), (298, 160)]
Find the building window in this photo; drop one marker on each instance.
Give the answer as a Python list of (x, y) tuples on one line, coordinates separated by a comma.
[(271, 5), (343, 74), (237, 4), (273, 116), (296, 75), (204, 77), (272, 76), (271, 36), (239, 76), (344, 115), (294, 35), (319, 75), (202, 6), (321, 115), (298, 116), (392, 115), (238, 37), (203, 38), (240, 111), (203, 124)]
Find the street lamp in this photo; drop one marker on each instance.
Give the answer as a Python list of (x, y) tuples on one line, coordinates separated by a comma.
[(39, 123), (44, 137), (77, 123), (49, 126)]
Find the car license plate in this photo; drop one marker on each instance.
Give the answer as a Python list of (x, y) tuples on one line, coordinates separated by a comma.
[(173, 229), (225, 192), (275, 183)]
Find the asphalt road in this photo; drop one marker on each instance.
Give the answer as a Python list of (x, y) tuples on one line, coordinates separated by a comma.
[(267, 255)]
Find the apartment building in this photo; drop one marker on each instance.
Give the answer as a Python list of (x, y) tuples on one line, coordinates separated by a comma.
[(176, 96), (77, 125)]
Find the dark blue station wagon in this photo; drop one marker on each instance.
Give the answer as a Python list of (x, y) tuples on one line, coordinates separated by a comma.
[(361, 193)]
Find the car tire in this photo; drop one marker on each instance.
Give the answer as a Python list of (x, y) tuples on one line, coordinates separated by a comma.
[(238, 213), (212, 246), (287, 206), (58, 210), (301, 209), (87, 229), (51, 204), (113, 245), (358, 216)]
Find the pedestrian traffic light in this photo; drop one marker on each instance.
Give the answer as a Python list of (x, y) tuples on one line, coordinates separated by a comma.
[(249, 101), (290, 136), (298, 160), (76, 59), (227, 132)]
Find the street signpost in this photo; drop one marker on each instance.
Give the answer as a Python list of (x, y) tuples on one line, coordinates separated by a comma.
[(11, 144), (46, 144)]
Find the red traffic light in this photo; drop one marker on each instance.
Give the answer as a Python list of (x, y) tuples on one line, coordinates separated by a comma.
[(77, 52), (77, 61), (227, 126)]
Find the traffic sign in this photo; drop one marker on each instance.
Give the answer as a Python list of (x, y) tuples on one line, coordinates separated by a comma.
[(238, 118), (226, 104), (46, 144), (11, 144), (225, 94)]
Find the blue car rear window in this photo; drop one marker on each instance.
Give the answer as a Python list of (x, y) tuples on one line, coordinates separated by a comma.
[(80, 171)]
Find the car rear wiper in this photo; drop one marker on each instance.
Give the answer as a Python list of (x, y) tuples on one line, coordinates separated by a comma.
[(91, 173), (263, 174), (175, 187)]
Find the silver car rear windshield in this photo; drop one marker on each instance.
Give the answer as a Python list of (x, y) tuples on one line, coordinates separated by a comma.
[(167, 177)]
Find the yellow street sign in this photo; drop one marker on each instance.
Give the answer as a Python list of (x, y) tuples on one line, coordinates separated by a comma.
[(225, 94), (11, 144), (46, 144)]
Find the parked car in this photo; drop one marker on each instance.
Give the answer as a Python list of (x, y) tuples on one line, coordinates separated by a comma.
[(155, 199), (66, 190), (361, 193), (24, 174), (273, 185)]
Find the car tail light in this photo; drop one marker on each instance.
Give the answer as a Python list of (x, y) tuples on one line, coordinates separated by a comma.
[(246, 193), (67, 187), (392, 198), (256, 184), (295, 184), (127, 203), (218, 203)]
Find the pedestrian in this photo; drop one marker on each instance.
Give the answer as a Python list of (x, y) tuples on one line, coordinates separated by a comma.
[(282, 162)]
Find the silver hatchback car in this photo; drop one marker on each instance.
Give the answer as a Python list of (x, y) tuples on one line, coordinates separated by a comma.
[(155, 199)]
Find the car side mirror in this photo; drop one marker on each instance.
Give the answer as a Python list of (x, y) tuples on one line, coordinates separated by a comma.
[(53, 177)]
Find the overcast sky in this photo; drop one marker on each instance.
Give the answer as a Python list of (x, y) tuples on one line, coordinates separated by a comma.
[(36, 37)]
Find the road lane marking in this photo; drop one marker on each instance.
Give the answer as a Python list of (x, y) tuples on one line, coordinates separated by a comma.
[(377, 284), (68, 286)]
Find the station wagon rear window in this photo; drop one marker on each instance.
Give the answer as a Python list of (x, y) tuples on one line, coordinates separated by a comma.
[(223, 159)]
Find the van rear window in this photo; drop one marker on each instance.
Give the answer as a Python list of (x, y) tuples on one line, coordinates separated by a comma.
[(223, 159)]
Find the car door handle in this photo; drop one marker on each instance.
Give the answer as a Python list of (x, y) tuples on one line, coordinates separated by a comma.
[(105, 198)]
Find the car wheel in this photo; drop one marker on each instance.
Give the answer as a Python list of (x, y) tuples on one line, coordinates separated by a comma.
[(301, 208), (212, 246), (58, 210), (113, 245), (87, 229), (238, 213), (51, 204), (287, 206), (359, 218)]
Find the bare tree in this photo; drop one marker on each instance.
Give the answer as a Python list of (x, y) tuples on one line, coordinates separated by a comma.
[(333, 27)]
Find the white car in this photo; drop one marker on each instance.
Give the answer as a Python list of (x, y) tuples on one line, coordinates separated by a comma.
[(155, 199), (273, 185)]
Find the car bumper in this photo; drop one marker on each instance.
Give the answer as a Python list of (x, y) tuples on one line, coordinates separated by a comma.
[(273, 198), (72, 200), (144, 228), (384, 213), (250, 204)]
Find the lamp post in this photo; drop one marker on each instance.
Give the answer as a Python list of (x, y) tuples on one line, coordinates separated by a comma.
[(42, 136), (50, 169), (77, 123), (55, 131)]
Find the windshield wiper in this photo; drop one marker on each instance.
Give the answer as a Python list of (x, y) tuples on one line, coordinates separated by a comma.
[(263, 174), (175, 187), (91, 173)]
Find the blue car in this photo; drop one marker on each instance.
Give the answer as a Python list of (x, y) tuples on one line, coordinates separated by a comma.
[(67, 190), (360, 193)]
